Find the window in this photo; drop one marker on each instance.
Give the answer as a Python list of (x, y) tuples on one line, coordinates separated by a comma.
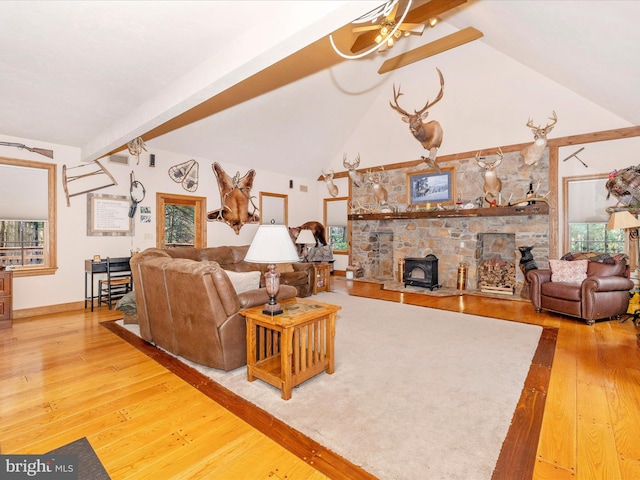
[(338, 237), (335, 220), (179, 226), (28, 216), (22, 242), (586, 216), (180, 221), (594, 237)]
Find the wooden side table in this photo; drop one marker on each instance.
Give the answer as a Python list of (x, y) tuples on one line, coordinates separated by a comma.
[(6, 302), (322, 275), (285, 350)]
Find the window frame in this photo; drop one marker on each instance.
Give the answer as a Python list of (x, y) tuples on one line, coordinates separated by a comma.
[(50, 265), (566, 240)]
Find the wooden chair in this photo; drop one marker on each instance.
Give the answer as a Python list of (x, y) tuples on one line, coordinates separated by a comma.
[(118, 281)]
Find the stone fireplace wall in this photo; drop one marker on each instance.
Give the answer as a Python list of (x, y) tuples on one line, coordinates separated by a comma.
[(453, 240)]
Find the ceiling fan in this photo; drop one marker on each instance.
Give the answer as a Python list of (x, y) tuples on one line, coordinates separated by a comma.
[(388, 30), (412, 21)]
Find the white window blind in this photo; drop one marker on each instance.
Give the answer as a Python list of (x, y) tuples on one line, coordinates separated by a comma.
[(588, 201)]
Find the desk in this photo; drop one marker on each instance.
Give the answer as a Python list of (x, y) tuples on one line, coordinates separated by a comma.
[(285, 350), (92, 268)]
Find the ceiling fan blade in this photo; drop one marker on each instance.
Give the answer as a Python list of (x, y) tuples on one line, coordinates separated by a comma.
[(364, 40), (430, 49), (430, 9), (365, 29), (417, 29), (392, 16)]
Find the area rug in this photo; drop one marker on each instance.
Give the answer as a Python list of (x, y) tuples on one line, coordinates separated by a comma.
[(89, 465), (417, 392)]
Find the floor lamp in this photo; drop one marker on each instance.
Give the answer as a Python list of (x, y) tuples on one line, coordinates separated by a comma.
[(272, 244), (627, 221)]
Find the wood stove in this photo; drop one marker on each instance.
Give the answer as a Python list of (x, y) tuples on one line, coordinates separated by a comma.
[(421, 272)]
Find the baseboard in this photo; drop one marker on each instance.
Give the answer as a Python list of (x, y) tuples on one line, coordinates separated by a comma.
[(47, 309)]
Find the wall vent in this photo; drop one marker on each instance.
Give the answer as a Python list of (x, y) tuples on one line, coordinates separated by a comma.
[(119, 159)]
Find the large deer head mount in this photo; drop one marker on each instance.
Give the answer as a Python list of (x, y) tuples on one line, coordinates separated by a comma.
[(532, 153), (428, 134), (356, 177)]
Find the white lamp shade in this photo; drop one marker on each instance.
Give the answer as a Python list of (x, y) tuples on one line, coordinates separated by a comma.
[(623, 219), (272, 244), (306, 237)]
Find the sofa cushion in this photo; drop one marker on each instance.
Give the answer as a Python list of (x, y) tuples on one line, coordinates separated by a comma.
[(574, 271), (222, 255), (244, 281), (284, 267)]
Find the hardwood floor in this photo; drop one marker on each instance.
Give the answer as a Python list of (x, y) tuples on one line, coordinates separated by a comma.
[(65, 376)]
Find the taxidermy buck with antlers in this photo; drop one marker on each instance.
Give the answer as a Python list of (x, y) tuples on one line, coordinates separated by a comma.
[(356, 177), (328, 180), (492, 184), (532, 153), (428, 134)]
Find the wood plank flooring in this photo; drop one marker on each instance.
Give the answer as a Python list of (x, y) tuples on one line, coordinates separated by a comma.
[(65, 376)]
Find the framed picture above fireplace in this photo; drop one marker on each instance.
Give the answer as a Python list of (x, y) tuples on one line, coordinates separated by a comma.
[(431, 187)]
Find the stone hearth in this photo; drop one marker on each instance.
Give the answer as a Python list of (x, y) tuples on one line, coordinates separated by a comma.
[(452, 238)]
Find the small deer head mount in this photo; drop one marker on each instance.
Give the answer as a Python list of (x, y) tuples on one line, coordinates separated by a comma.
[(379, 192), (492, 184), (532, 153), (356, 177), (428, 134), (328, 180)]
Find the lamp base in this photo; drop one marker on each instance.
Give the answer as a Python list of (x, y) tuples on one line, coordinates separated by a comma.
[(272, 281), (272, 309)]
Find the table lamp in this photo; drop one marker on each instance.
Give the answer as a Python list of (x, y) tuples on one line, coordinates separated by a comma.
[(272, 244), (624, 219), (305, 237)]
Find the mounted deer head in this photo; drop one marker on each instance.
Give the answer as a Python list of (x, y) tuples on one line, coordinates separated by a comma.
[(428, 134), (356, 177), (379, 192), (531, 154), (492, 184), (328, 180)]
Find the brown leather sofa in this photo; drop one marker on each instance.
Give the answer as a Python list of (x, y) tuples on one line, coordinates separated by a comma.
[(298, 274), (603, 294), (190, 308)]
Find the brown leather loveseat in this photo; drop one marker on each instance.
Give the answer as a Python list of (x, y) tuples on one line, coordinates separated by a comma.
[(190, 308), (604, 293)]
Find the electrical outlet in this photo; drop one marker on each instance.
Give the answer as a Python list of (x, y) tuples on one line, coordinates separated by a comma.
[(461, 244)]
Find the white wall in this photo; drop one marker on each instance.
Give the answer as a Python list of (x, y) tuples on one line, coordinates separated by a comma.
[(74, 246), (488, 98)]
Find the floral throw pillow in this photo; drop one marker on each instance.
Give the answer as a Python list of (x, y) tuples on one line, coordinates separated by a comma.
[(568, 271)]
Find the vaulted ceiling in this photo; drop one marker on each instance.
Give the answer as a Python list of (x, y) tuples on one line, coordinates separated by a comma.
[(96, 74)]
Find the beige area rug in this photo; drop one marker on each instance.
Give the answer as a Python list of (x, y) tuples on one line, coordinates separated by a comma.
[(418, 393)]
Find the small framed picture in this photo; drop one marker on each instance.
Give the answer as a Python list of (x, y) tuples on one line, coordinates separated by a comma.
[(96, 258), (431, 187)]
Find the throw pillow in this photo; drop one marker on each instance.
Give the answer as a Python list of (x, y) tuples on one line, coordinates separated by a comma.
[(568, 271), (284, 267), (244, 281)]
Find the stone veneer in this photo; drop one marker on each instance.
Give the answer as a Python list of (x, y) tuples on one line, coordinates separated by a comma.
[(453, 240)]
